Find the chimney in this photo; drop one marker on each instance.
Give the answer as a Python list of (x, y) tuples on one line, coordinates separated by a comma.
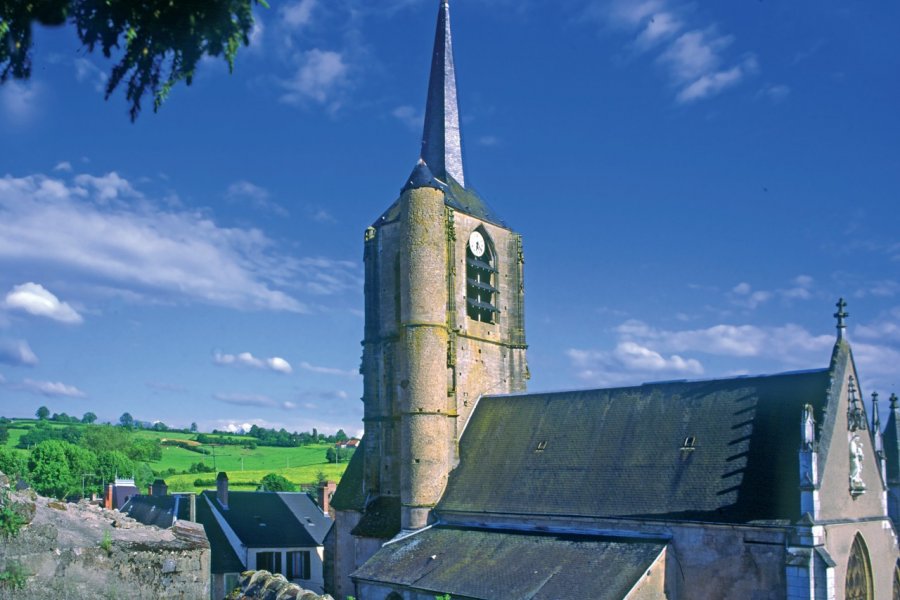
[(108, 502), (326, 491), (193, 508), (159, 488), (222, 489)]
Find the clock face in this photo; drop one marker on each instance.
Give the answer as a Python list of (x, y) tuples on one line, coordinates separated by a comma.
[(476, 244)]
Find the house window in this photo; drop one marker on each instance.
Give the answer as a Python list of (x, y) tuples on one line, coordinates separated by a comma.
[(231, 582), (481, 278), (859, 573), (268, 561), (298, 565)]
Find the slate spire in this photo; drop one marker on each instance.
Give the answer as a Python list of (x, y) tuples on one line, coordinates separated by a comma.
[(441, 145)]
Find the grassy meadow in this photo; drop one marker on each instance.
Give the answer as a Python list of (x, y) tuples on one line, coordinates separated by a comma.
[(245, 466)]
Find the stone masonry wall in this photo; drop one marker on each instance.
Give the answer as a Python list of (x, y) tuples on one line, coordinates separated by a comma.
[(79, 551)]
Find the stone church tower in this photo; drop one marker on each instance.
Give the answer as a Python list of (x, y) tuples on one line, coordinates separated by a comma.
[(444, 311), (444, 324)]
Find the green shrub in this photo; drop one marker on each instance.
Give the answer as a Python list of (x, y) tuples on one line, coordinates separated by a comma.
[(13, 576)]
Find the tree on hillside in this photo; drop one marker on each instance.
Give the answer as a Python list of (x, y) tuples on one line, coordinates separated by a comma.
[(156, 43), (4, 435), (340, 436), (42, 413), (48, 469), (193, 428), (112, 464), (273, 482), (12, 463), (331, 455), (106, 437), (126, 421), (89, 418)]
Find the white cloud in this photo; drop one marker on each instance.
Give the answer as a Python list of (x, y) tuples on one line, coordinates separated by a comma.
[(691, 52), (36, 300), (88, 72), (629, 364), (321, 76), (255, 400), (107, 187), (257, 196), (329, 370), (175, 254), (774, 92), (710, 84), (19, 101), (65, 166), (409, 116), (297, 14), (245, 359), (17, 353), (52, 389)]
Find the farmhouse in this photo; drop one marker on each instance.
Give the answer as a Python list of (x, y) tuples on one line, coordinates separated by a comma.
[(768, 487)]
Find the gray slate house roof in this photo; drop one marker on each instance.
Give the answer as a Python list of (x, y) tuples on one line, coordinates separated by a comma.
[(473, 563), (714, 451), (223, 558), (273, 519), (161, 511)]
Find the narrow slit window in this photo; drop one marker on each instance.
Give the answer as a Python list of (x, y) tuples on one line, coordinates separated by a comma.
[(481, 278), (689, 443)]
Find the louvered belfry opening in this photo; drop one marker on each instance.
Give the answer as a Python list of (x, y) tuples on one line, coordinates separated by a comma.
[(481, 283)]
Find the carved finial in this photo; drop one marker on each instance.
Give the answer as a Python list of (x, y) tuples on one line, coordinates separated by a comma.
[(876, 419), (841, 315), (855, 418), (894, 401)]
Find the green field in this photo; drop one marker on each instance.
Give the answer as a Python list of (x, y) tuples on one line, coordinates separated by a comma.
[(244, 466)]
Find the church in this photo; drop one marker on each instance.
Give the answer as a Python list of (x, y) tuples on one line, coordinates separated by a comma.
[(768, 487)]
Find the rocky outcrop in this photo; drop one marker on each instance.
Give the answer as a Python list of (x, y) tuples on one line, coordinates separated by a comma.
[(262, 585), (80, 550)]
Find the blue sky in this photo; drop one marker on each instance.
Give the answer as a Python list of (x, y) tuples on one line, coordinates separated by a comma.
[(696, 183)]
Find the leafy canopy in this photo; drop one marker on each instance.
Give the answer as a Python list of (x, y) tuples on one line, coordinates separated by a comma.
[(157, 43)]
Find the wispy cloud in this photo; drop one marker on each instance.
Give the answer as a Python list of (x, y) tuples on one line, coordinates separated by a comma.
[(34, 299), (51, 389), (409, 116), (88, 72), (253, 400), (745, 296), (257, 196), (320, 77), (245, 359), (17, 353), (64, 166), (297, 15), (329, 370), (81, 226), (19, 101), (693, 54)]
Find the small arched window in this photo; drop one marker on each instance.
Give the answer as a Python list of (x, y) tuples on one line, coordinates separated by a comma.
[(481, 277), (858, 585)]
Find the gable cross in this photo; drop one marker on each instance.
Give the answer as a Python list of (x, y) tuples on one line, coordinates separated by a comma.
[(840, 315)]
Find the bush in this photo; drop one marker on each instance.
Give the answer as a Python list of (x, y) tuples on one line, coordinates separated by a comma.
[(13, 577)]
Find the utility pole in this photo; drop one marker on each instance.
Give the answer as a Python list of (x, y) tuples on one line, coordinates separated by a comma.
[(83, 476)]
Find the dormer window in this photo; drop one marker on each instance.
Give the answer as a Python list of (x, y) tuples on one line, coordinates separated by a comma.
[(481, 278)]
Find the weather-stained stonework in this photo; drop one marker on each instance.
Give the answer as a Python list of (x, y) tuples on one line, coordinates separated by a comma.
[(771, 487)]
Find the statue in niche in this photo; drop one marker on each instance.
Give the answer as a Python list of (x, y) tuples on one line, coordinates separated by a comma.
[(857, 485), (809, 427)]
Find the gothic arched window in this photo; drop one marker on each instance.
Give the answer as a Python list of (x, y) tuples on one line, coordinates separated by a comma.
[(859, 573), (481, 277)]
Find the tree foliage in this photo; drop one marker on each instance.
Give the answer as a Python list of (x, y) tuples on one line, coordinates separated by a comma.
[(126, 420), (157, 43), (89, 418), (43, 412), (12, 463), (273, 482), (49, 470)]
